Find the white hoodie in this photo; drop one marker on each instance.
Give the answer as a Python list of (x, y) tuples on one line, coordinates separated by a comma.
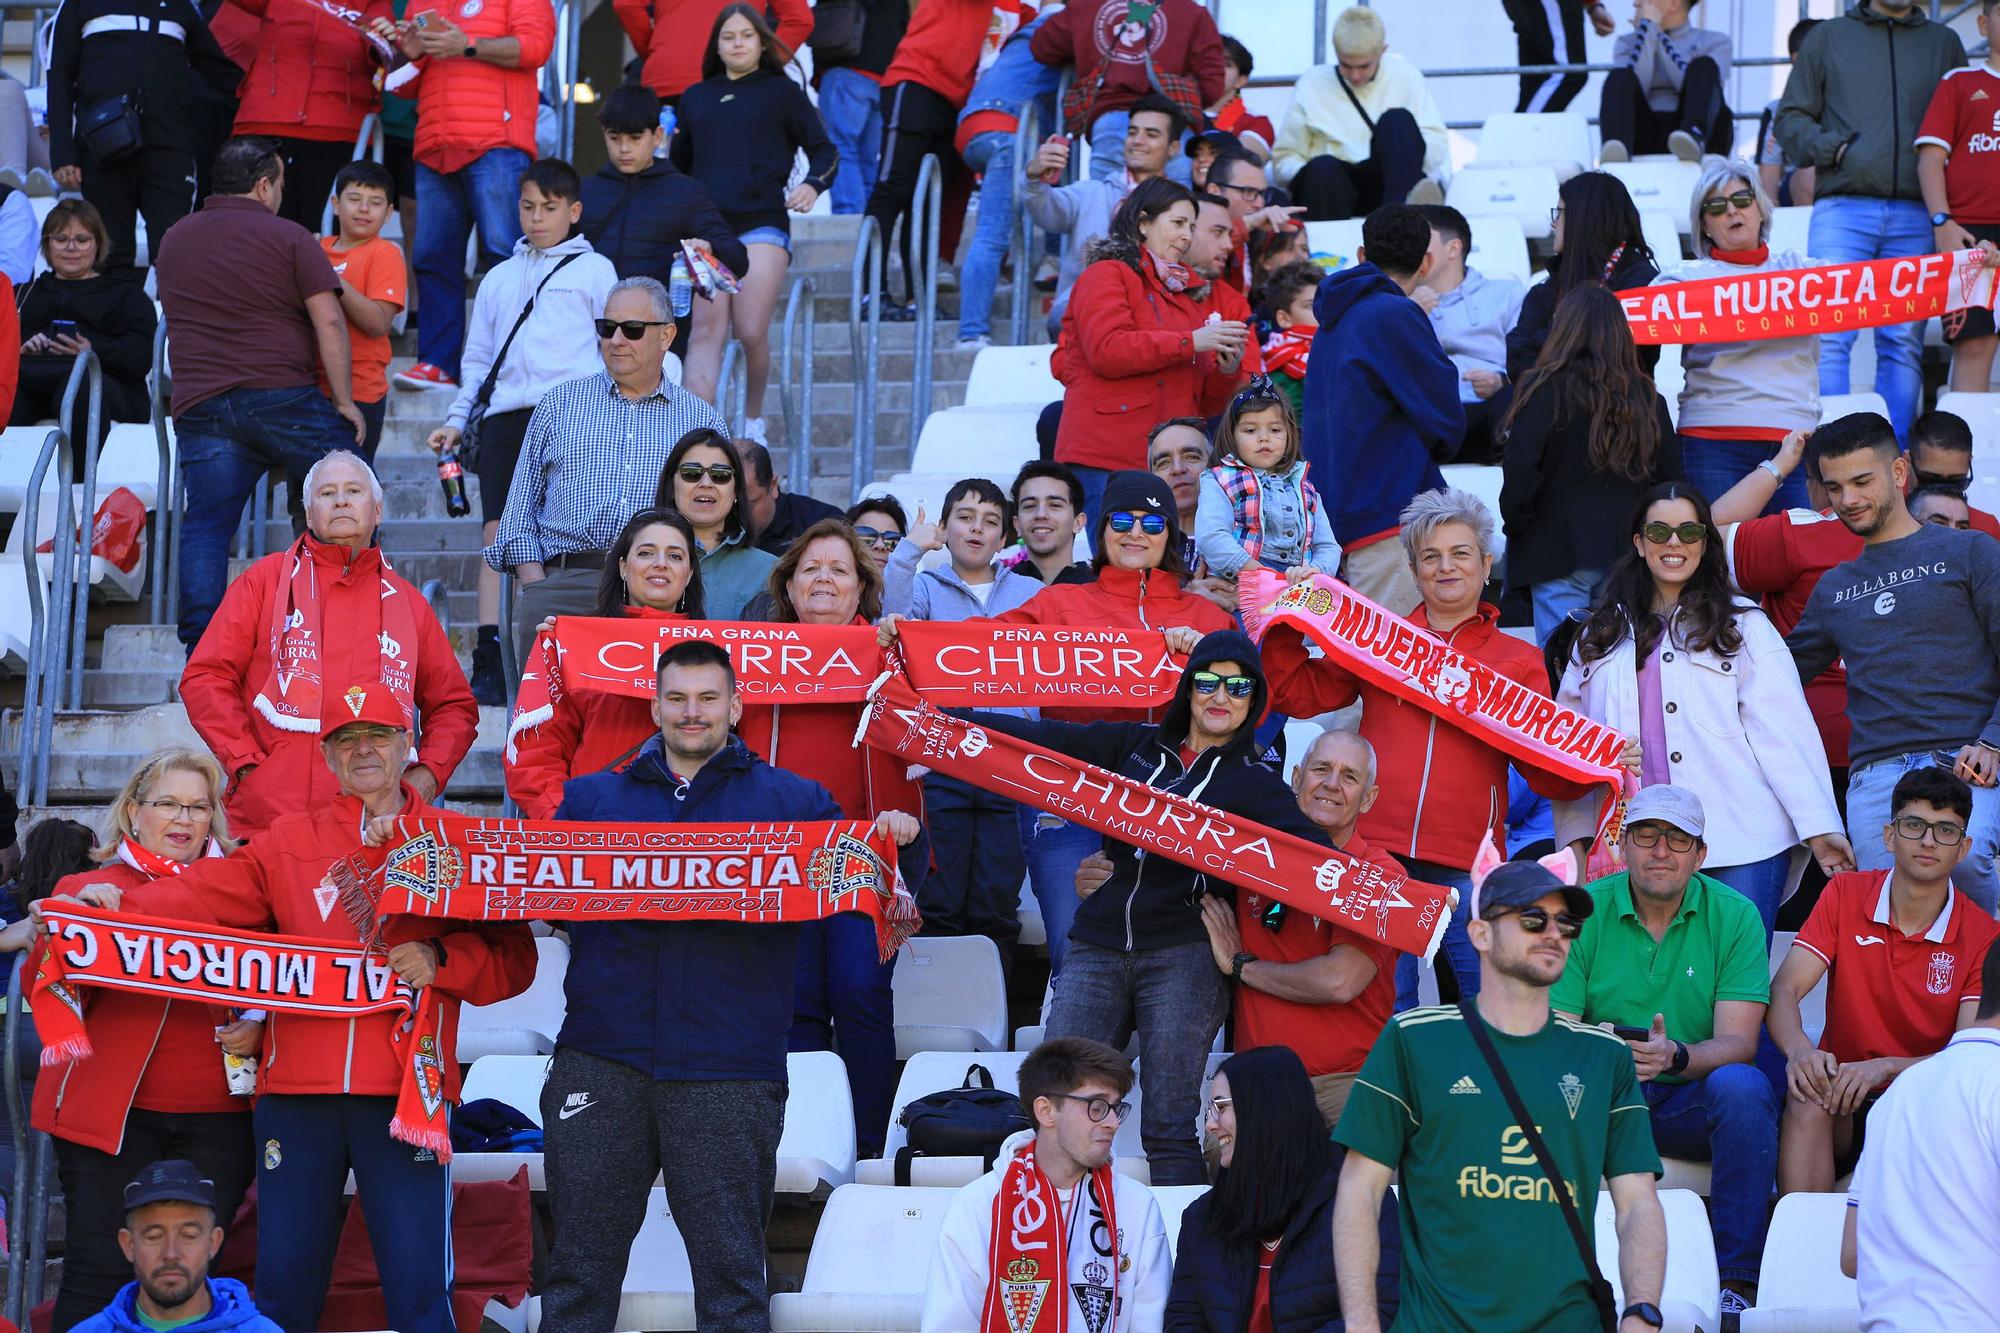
[(955, 1295), (559, 341)]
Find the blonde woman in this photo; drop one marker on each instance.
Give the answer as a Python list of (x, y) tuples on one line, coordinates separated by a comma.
[(153, 1089)]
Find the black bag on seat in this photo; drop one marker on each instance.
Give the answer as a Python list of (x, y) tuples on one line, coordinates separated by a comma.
[(971, 1120)]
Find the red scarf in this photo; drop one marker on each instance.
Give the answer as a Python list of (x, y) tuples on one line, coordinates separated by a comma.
[(977, 664), (1791, 303), (1750, 258), (151, 864), (1030, 1254), (293, 691)]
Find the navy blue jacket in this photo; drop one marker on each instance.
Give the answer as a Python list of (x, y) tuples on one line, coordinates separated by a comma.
[(1150, 902), (639, 221), (1381, 403), (1215, 1280), (702, 1000)]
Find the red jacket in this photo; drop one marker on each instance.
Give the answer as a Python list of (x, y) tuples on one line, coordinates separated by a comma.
[(159, 1055), (940, 49), (1180, 34), (268, 884), (1118, 599), (1227, 300), (1127, 359), (228, 666), (1442, 787), (586, 732), (465, 107), (311, 76), (673, 36)]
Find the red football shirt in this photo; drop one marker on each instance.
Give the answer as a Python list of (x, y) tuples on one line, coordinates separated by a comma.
[(1329, 1038), (1780, 558), (1889, 993), (1964, 120), (1984, 522)]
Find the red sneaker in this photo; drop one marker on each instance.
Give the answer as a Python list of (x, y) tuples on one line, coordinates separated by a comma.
[(424, 375)]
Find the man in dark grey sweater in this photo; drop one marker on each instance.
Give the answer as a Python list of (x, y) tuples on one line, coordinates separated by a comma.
[(1916, 619)]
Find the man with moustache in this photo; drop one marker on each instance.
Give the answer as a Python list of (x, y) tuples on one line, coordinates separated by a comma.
[(171, 1235)]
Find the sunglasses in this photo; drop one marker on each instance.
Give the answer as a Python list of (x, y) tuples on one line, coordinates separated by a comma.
[(633, 329), (1649, 835), (1150, 524), (719, 473), (1659, 534), (1912, 829), (1742, 201), (1956, 483), (1535, 920), (1239, 687), (878, 536)]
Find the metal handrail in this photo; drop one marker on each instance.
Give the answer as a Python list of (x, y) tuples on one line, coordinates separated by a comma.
[(867, 358), (162, 510), (27, 1220), (924, 227), (1022, 244), (86, 531), (559, 74), (510, 670), (49, 636), (732, 387), (799, 411), (438, 594)]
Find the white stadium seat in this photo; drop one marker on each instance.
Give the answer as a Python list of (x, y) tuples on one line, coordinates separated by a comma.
[(951, 995), (16, 622), (1812, 1008), (659, 1283), (1499, 250), (1789, 229), (516, 1080), (1484, 482), (20, 446), (1690, 1296), (1034, 931), (526, 1024), (1661, 236), (1559, 140), (1334, 245), (1833, 406), (1525, 194), (131, 458), (925, 1073), (925, 490), (1012, 375), (1670, 377), (816, 1152), (978, 442), (1801, 1288), (1981, 411), (109, 582), (870, 1259), (1659, 184), (1173, 1201)]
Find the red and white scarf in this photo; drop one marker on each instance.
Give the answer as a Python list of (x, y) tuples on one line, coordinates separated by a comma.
[(294, 689), (1174, 277), (154, 866), (1041, 1283)]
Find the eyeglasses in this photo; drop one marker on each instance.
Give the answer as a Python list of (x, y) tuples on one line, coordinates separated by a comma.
[(1555, 215), (72, 242), (720, 473), (173, 811), (1253, 192), (1912, 829), (1535, 920), (1742, 201), (888, 537), (1097, 1108), (1649, 835), (633, 329), (1239, 687), (348, 737), (1659, 534), (1150, 524), (1953, 483), (1217, 1105)]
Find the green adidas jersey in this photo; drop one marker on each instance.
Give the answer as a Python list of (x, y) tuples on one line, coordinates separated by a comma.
[(1484, 1242)]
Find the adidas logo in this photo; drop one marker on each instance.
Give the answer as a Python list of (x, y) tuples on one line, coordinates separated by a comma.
[(1464, 1084)]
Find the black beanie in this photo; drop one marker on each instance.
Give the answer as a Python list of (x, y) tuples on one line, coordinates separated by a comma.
[(1137, 492)]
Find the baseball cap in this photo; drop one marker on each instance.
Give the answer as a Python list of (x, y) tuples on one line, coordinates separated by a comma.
[(370, 704), (170, 1181), (1665, 803), (1136, 492), (1525, 883)]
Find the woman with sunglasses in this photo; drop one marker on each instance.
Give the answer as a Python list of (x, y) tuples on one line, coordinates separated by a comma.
[(1256, 1251), (1675, 658), (880, 523), (1598, 238), (703, 482), (652, 572), (154, 1086)]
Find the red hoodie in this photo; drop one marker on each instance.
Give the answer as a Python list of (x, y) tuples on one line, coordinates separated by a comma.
[(940, 50), (1179, 35), (269, 883), (1441, 787)]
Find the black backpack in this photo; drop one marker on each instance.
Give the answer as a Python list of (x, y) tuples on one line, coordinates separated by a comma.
[(971, 1120)]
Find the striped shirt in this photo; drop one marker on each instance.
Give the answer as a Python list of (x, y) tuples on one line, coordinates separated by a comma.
[(591, 459)]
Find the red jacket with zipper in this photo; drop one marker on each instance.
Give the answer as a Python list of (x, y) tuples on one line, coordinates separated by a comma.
[(465, 107), (228, 667), (149, 1053), (673, 36), (1442, 787), (311, 76), (268, 884)]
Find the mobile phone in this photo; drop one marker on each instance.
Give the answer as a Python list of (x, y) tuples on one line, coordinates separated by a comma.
[(1631, 1034), (62, 328)]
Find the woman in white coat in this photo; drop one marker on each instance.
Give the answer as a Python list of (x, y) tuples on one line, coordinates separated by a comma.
[(1675, 657)]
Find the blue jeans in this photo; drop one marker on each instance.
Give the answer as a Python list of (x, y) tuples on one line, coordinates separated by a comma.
[(992, 155), (1175, 999), (851, 105), (306, 1144), (1456, 950), (1762, 882), (1849, 227), (846, 991), (1555, 599), (1728, 1118), (227, 444), (484, 194), (1869, 791), (1713, 466), (1092, 480), (1055, 848)]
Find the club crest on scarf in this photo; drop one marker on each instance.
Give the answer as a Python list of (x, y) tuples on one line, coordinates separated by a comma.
[(847, 867), (1022, 1293), (429, 1075), (426, 866)]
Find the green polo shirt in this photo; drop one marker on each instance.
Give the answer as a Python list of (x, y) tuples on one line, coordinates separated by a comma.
[(1714, 949)]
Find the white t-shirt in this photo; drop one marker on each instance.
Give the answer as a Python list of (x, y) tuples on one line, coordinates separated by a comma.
[(982, 592), (1927, 1194)]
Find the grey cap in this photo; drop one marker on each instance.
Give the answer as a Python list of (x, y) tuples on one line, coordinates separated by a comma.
[(1665, 803)]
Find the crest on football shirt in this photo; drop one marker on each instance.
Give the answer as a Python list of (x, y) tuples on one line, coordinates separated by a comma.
[(1938, 981), (1572, 1091)]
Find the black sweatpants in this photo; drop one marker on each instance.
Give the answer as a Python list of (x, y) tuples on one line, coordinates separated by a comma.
[(1331, 189), (609, 1130), (39, 395), (1548, 32), (157, 182), (915, 121), (1625, 116), (310, 166), (975, 886)]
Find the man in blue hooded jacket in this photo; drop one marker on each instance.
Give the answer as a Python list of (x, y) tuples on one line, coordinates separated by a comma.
[(171, 1235), (671, 1060), (1381, 402)]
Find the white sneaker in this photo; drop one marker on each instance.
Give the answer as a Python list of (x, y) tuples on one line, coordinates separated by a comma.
[(1684, 146), (974, 344), (1426, 193), (753, 429), (1613, 151)]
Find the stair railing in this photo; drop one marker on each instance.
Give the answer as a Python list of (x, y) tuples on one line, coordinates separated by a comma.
[(27, 1219), (49, 637), (1027, 135), (864, 279), (925, 224), (732, 388), (86, 378), (163, 507), (798, 408)]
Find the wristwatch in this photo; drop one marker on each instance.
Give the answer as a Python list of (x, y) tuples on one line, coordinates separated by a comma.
[(1939, 219), (1236, 965), (472, 50), (1680, 1058), (1772, 468), (1646, 1313)]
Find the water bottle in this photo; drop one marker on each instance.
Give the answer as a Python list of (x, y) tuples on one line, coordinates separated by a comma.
[(680, 288), (667, 123), (451, 477)]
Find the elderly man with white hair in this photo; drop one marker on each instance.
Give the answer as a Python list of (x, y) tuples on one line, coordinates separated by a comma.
[(1363, 131), (592, 459), (301, 632)]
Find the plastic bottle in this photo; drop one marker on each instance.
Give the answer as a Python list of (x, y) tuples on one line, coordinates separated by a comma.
[(680, 288), (451, 477), (667, 122)]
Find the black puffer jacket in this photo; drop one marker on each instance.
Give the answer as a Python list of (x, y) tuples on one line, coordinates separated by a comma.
[(1636, 268)]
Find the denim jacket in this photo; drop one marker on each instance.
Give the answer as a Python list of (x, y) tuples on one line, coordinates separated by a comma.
[(1014, 79)]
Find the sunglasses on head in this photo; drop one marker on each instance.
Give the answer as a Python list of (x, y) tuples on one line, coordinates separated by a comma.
[(878, 536), (633, 329), (719, 473), (1150, 524), (1957, 483), (1239, 687), (1659, 534), (1742, 201), (1535, 920)]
